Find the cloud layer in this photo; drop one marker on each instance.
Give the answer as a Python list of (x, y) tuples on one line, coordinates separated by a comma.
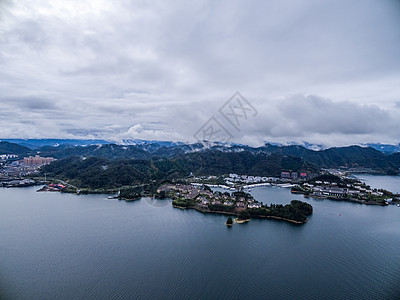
[(321, 72)]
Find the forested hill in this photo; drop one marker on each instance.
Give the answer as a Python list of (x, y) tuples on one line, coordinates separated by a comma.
[(102, 172), (96, 172), (114, 151), (11, 148), (347, 157), (223, 158)]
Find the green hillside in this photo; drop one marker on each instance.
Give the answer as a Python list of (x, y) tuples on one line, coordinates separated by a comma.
[(11, 148)]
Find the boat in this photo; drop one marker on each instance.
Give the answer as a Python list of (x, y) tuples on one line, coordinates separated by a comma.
[(116, 196)]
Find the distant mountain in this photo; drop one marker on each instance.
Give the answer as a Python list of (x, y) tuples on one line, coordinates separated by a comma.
[(346, 157), (114, 165), (315, 147), (11, 148), (109, 151), (152, 145), (210, 153), (37, 143), (385, 148)]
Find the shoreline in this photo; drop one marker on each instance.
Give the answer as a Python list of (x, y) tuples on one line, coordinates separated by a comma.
[(199, 209), (242, 221), (282, 219), (353, 200), (207, 211)]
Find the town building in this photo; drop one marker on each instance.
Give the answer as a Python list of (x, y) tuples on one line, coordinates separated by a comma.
[(37, 160)]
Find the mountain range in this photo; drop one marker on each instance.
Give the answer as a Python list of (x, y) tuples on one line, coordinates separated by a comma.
[(224, 158), (38, 143)]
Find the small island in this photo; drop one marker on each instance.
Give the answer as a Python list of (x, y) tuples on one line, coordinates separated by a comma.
[(229, 222)]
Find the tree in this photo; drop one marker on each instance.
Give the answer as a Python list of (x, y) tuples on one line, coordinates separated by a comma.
[(162, 195), (207, 188), (244, 215)]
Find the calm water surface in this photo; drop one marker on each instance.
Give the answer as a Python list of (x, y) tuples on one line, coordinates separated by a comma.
[(62, 246), (390, 183)]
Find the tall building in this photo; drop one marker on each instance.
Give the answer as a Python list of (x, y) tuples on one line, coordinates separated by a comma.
[(37, 160)]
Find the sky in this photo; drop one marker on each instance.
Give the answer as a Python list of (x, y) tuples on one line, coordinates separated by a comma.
[(324, 72)]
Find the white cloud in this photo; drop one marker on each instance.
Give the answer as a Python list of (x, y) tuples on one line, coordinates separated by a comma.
[(97, 68)]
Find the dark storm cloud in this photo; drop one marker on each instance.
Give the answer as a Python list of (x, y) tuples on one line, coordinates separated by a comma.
[(319, 115), (302, 118), (29, 103)]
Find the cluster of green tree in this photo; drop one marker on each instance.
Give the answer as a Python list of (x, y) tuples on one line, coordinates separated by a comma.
[(303, 207), (183, 202), (97, 172), (109, 151), (219, 207), (387, 193), (244, 215), (161, 195), (378, 199), (298, 189), (296, 211), (238, 194), (131, 193)]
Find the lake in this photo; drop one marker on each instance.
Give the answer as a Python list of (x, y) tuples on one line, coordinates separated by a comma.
[(64, 246), (390, 183)]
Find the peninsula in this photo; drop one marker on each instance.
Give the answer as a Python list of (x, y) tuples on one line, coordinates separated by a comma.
[(333, 187), (239, 203)]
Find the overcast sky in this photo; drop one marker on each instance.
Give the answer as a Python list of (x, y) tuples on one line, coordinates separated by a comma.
[(325, 72)]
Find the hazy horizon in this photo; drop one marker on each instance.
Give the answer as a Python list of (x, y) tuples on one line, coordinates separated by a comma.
[(86, 142)]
